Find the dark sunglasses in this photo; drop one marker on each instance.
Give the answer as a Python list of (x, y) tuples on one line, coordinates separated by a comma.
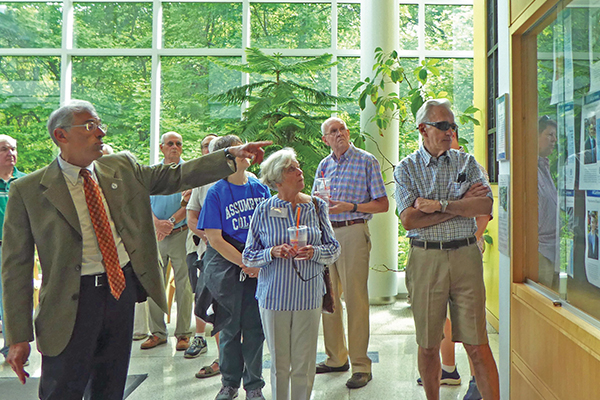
[(443, 125)]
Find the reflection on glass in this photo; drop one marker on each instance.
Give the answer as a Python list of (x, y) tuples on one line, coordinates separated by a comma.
[(192, 25), (29, 92), (348, 35), (113, 25), (25, 25), (290, 25), (547, 204), (121, 94), (568, 88), (448, 27), (409, 24)]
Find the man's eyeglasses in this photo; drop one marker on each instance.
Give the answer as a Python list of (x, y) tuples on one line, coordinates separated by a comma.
[(92, 126), (171, 144), (443, 125), (335, 131)]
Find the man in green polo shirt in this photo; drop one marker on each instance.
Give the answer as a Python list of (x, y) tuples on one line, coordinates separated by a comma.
[(8, 173)]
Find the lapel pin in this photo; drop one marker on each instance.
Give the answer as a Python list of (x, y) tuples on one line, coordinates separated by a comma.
[(114, 186)]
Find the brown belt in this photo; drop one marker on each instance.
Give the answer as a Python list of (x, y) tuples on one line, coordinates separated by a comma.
[(339, 224), (176, 230)]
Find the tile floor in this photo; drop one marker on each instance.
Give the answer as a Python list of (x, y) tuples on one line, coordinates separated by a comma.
[(392, 346)]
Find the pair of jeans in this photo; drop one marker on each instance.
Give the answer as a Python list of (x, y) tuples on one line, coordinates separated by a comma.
[(241, 346)]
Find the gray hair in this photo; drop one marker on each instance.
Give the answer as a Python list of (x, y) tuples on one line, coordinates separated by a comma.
[(329, 121), (63, 117), (423, 113), (271, 170), (164, 135), (224, 142), (8, 139)]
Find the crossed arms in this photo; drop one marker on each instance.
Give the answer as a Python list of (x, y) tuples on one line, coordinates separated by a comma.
[(424, 212)]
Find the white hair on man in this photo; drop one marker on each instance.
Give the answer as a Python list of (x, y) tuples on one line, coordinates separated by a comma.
[(423, 113), (329, 121), (8, 139)]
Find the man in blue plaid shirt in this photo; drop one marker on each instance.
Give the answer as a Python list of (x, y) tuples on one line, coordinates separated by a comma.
[(356, 193), (439, 192)]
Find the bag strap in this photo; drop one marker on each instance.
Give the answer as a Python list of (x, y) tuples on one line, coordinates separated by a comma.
[(314, 200)]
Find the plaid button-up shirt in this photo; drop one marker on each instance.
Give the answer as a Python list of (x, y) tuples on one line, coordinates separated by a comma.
[(355, 178), (447, 177)]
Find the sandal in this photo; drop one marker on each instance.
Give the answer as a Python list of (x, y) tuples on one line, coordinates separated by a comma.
[(208, 371)]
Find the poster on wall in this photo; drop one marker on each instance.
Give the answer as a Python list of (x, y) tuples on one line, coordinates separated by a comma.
[(592, 265), (588, 149), (503, 214), (501, 127)]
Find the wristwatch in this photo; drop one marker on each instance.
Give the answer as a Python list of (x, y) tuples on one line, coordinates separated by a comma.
[(172, 220), (444, 205)]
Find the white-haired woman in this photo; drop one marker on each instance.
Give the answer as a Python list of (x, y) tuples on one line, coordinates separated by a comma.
[(290, 285)]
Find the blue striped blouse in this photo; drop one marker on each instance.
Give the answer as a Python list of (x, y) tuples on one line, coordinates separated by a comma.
[(279, 287)]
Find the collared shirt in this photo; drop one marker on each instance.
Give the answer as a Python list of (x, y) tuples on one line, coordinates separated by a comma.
[(91, 259), (437, 178), (164, 206), (355, 178), (547, 209), (4, 188), (195, 204), (279, 287)]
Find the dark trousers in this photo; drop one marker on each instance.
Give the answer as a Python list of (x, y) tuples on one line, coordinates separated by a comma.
[(96, 359), (241, 347)]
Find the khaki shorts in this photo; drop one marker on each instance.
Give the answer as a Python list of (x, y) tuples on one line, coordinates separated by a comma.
[(441, 279)]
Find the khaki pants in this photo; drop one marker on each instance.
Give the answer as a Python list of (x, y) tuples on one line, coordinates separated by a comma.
[(438, 279), (173, 248), (349, 276)]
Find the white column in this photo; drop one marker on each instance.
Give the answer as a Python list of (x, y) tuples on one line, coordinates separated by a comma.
[(380, 28)]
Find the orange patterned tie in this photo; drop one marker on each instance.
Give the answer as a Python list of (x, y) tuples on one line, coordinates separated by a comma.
[(104, 235)]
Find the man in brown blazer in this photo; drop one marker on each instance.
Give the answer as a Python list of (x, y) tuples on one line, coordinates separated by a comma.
[(83, 329)]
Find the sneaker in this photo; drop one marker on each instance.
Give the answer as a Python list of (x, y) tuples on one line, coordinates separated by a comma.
[(227, 393), (473, 392), (152, 342), (197, 347), (448, 378), (254, 394)]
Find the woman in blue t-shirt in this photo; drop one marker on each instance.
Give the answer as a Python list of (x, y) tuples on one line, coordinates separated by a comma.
[(227, 298)]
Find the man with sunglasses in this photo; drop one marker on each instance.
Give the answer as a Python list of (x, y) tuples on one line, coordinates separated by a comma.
[(89, 218), (439, 193), (171, 232)]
